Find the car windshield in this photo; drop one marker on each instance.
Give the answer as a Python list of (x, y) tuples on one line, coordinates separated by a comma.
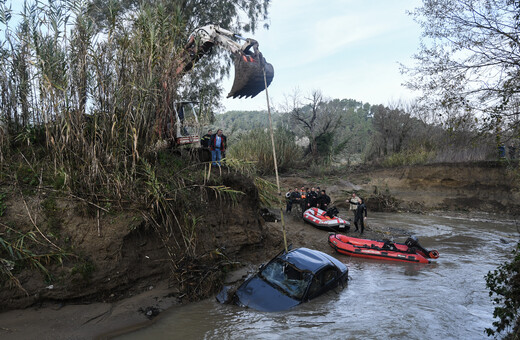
[(287, 277)]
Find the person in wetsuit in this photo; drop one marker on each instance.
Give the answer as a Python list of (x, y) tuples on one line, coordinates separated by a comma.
[(358, 217), (204, 142), (323, 200)]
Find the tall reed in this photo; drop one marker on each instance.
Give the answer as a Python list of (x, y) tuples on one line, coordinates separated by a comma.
[(83, 101), (256, 146)]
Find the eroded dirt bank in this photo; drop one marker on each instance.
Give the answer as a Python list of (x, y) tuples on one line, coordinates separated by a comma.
[(116, 270), (488, 186), (122, 276), (491, 187)]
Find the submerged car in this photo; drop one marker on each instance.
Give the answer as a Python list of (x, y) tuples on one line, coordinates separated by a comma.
[(289, 279)]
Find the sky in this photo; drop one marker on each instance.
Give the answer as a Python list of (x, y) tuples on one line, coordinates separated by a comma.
[(347, 49)]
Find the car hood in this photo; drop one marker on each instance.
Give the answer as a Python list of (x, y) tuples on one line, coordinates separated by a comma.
[(258, 294)]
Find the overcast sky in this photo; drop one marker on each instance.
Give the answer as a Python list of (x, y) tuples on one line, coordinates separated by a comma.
[(345, 48)]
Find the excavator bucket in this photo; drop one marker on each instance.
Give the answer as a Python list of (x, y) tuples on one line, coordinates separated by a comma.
[(249, 76)]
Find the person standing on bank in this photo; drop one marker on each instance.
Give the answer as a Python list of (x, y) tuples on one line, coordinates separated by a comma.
[(354, 202), (289, 201), (204, 142), (323, 200), (224, 138), (217, 144), (358, 217), (303, 200)]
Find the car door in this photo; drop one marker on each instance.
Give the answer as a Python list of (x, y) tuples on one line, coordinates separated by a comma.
[(323, 280)]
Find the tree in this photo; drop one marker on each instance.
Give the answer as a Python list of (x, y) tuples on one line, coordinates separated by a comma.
[(393, 127), (504, 285), (469, 60), (317, 119)]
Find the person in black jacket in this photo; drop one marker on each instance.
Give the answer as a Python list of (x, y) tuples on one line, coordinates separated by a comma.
[(204, 141), (224, 137), (323, 200), (292, 197), (313, 198), (361, 208)]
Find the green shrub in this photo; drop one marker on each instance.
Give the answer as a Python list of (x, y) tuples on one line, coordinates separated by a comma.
[(504, 288), (408, 157), (256, 146)]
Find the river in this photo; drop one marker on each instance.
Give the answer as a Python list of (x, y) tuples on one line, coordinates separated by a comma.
[(446, 299)]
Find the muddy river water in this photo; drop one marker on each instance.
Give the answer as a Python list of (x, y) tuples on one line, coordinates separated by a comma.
[(446, 299)]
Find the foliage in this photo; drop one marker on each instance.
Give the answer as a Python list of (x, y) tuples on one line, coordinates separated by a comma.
[(237, 122), (85, 269), (256, 146), (2, 203), (355, 129), (467, 65), (405, 135), (408, 157), (17, 251), (267, 192), (317, 120), (504, 286)]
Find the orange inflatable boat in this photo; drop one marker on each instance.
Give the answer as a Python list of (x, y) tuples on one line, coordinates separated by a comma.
[(322, 220), (410, 251)]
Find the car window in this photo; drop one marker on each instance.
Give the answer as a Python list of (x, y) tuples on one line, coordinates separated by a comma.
[(287, 277), (321, 280)]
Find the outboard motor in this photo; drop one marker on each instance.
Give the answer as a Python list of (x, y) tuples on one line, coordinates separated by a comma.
[(413, 244), (332, 211)]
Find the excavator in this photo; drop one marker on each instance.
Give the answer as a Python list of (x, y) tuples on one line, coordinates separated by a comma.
[(249, 79), (249, 65)]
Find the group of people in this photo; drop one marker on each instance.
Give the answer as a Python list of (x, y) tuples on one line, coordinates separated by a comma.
[(316, 198), (307, 198), (217, 143), (511, 148), (357, 205)]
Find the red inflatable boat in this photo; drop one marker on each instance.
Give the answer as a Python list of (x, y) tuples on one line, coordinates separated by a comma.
[(321, 220), (410, 251)]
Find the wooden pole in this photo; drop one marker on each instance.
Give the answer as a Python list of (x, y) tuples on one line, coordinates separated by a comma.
[(274, 158)]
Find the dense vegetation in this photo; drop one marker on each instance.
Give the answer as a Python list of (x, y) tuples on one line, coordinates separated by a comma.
[(87, 88), (345, 131)]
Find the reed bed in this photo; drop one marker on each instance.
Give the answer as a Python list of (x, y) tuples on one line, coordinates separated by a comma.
[(256, 146), (87, 88)]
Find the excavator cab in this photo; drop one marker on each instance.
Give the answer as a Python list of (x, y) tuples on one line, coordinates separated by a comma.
[(187, 123)]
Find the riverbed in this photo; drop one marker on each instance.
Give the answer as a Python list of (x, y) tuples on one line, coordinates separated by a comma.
[(446, 299)]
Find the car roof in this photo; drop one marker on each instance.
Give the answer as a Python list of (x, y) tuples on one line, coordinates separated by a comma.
[(309, 259)]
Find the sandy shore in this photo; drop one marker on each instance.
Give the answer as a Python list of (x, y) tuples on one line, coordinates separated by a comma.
[(87, 321)]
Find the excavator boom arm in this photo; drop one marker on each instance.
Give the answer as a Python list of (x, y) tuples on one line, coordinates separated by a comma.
[(249, 65)]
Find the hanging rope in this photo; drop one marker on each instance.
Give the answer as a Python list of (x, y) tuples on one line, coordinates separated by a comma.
[(274, 152)]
